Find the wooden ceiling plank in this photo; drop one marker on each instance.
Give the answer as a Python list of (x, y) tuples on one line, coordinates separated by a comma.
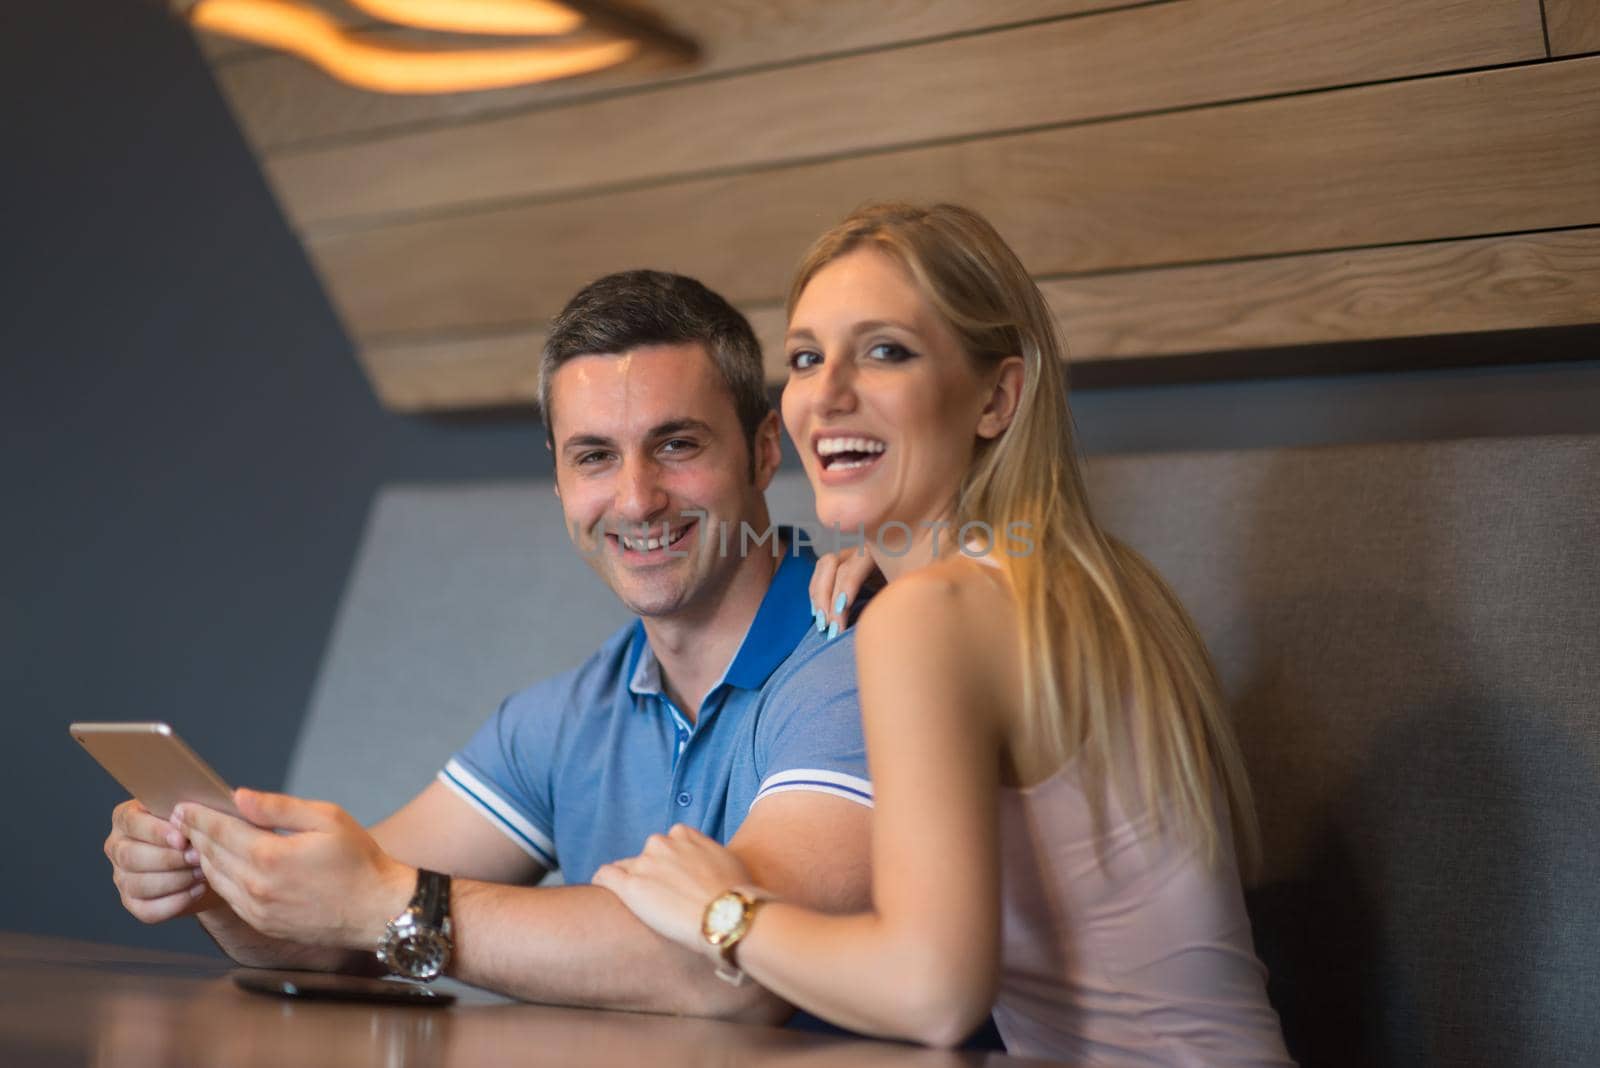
[(1491, 152), (446, 374), (1574, 26), (1476, 285), (1469, 286), (280, 101), (1125, 62)]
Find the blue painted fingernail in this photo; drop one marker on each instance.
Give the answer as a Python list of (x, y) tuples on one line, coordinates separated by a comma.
[(822, 620), (833, 630), (839, 603)]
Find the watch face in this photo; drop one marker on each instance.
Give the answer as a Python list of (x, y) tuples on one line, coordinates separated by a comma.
[(421, 955), (724, 916)]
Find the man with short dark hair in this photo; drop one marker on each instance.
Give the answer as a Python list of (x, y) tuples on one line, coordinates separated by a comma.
[(630, 309), (720, 707)]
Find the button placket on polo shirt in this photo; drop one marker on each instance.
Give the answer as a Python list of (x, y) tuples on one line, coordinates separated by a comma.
[(680, 796), (681, 732)]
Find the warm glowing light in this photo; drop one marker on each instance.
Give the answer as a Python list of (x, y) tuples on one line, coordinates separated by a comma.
[(392, 68), (512, 17)]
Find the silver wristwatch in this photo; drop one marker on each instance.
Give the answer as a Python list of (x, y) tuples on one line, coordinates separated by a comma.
[(416, 944)]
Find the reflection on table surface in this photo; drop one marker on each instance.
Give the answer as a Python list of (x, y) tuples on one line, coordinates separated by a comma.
[(77, 1003)]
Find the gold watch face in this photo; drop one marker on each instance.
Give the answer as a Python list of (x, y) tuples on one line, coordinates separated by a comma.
[(724, 917)]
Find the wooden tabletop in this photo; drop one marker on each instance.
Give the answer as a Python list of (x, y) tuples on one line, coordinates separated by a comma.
[(78, 1003)]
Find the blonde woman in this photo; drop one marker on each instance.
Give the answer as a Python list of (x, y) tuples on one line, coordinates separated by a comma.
[(1060, 803)]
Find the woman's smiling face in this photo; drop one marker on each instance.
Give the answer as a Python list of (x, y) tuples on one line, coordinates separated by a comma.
[(883, 403)]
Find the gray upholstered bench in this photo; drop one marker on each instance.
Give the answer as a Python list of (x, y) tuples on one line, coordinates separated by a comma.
[(1410, 635)]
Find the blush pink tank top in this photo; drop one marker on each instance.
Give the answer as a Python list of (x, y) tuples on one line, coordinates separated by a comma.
[(1144, 959)]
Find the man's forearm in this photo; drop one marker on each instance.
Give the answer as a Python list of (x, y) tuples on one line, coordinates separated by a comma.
[(565, 945), (578, 945), (246, 946)]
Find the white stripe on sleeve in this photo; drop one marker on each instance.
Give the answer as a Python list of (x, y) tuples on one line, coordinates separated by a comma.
[(499, 812), (816, 780)]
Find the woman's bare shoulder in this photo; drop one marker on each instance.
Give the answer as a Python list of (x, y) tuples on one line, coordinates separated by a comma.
[(953, 607), (945, 635)]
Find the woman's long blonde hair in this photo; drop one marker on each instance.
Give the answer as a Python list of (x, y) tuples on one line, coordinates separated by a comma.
[(1116, 675)]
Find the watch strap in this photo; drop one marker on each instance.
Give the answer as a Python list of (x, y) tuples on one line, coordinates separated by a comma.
[(417, 944), (432, 897)]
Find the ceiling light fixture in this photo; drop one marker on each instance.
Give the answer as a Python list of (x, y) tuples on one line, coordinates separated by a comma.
[(595, 39)]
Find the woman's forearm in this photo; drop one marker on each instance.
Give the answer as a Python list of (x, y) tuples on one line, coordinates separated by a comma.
[(867, 975)]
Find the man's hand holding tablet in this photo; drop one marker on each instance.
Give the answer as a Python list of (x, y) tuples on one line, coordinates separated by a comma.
[(326, 883), (148, 852)]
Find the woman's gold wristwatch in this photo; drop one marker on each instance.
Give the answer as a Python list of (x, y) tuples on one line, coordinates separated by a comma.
[(725, 923)]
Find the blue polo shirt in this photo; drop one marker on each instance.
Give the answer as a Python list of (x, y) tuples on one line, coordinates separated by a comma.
[(580, 769)]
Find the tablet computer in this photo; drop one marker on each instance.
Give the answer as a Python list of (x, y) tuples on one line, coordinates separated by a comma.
[(153, 764)]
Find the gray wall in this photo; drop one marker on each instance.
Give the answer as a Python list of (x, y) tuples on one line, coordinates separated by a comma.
[(190, 450)]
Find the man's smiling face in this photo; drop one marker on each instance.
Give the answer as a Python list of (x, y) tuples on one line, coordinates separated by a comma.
[(651, 467)]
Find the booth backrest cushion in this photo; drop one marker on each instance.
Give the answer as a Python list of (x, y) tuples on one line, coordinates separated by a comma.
[(1410, 639)]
